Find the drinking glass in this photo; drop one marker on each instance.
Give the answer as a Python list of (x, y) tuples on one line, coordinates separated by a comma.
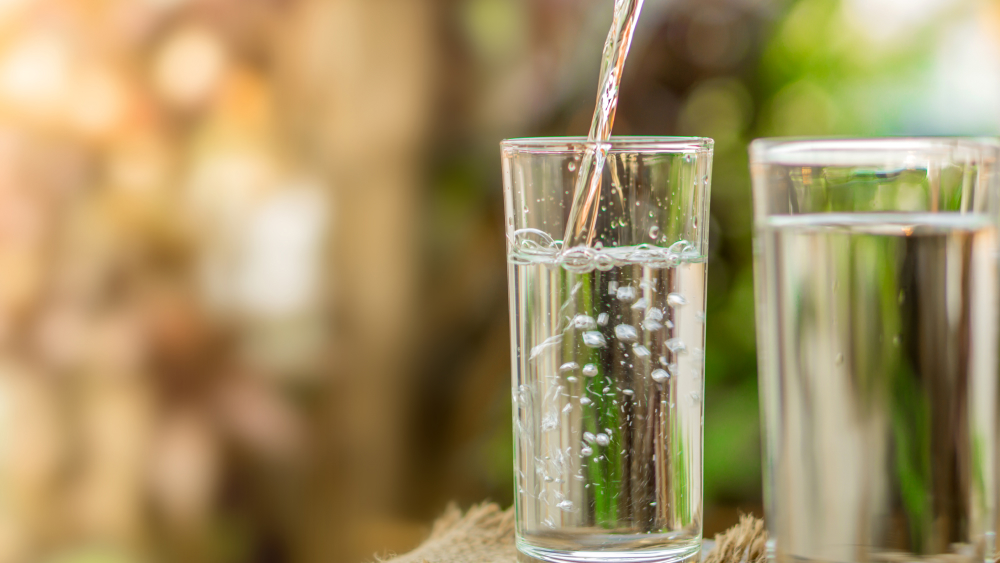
[(607, 345), (876, 291)]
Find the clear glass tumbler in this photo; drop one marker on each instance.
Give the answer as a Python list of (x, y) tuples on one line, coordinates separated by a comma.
[(607, 344), (876, 283)]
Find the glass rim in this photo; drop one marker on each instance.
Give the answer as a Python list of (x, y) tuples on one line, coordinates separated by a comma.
[(630, 143), (864, 150)]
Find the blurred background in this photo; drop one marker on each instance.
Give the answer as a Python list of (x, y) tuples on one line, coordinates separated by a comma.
[(252, 281)]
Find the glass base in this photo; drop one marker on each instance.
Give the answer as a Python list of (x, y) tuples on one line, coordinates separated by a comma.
[(675, 553)]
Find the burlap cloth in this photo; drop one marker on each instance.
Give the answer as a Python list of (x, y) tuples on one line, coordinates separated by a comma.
[(485, 534)]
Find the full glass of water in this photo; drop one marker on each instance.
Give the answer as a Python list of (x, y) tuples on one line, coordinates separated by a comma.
[(607, 344), (876, 292)]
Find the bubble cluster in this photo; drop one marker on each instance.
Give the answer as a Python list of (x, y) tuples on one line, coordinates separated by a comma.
[(534, 246)]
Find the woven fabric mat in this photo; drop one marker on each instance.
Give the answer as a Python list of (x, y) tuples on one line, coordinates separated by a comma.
[(485, 534)]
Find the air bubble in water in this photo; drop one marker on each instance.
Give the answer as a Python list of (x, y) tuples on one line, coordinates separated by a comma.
[(651, 325), (612, 288), (589, 437), (605, 263), (585, 401), (626, 294), (594, 339), (572, 167), (688, 158), (660, 375), (549, 422), (676, 346), (663, 361), (602, 439), (579, 260), (590, 370), (584, 322), (641, 351), (654, 314), (695, 398), (839, 360), (626, 333), (569, 366), (628, 392), (654, 232), (568, 408), (603, 319), (572, 379), (640, 304), (586, 451), (896, 340), (676, 300)]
